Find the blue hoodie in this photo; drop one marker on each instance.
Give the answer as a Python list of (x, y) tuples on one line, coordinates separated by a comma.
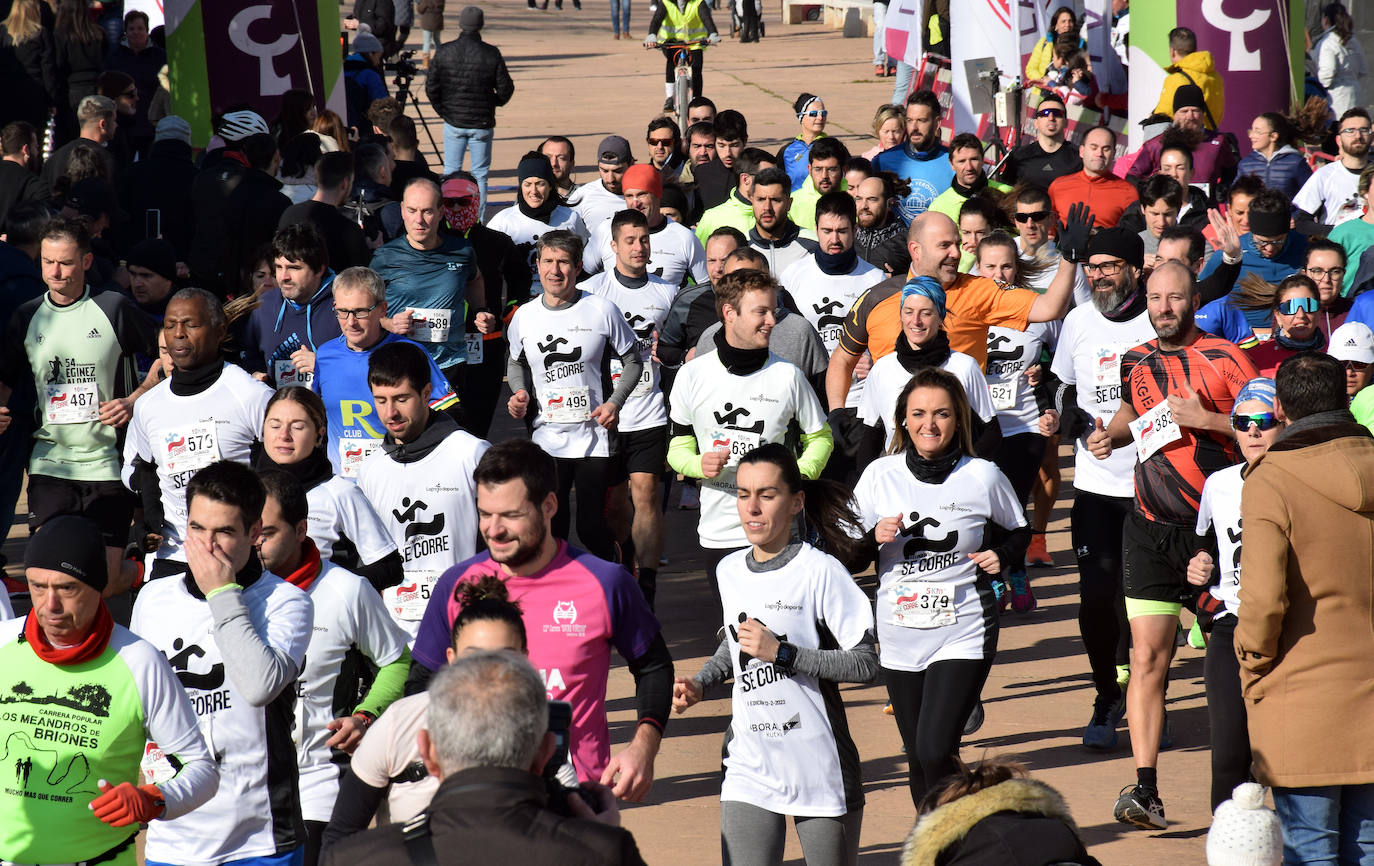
[(928, 172), (1286, 263), (279, 327)]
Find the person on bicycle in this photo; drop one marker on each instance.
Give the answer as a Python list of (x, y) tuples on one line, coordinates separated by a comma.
[(682, 25)]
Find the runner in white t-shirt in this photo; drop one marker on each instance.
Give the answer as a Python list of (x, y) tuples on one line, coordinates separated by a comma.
[(1331, 195), (676, 256), (641, 436), (728, 402), (351, 628), (537, 212), (796, 625), (420, 482), (825, 284), (207, 410), (561, 348), (944, 522)]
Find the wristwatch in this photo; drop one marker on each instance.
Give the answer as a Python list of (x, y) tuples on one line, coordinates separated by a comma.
[(787, 656)]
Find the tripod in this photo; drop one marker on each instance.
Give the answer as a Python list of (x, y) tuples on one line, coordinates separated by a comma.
[(405, 73)]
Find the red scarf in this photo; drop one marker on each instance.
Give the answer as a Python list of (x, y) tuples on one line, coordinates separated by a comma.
[(88, 649), (309, 569)]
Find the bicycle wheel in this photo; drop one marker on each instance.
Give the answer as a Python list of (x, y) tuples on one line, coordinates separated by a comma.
[(682, 93)]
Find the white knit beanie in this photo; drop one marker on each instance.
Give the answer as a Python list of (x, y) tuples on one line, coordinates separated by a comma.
[(1244, 832)]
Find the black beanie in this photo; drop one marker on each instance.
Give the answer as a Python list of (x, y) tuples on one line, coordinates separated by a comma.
[(535, 165), (1189, 96), (156, 255), (72, 545), (1119, 242)]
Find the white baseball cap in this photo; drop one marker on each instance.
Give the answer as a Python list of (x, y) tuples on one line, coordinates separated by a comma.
[(1353, 341)]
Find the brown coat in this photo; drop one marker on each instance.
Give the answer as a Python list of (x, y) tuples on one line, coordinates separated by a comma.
[(430, 14), (1305, 636)]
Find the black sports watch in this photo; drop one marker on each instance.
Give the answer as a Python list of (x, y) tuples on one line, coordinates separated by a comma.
[(786, 656)]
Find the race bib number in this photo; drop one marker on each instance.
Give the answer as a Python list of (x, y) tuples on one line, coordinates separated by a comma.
[(77, 403), (476, 348), (568, 405), (1154, 430), (922, 604), (188, 449), (1005, 395), (285, 373), (408, 599), (430, 324), (1107, 366), (646, 378), (352, 453), (737, 442), (155, 767)]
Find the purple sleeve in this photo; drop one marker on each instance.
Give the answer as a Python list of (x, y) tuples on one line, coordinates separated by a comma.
[(633, 625), (436, 631)]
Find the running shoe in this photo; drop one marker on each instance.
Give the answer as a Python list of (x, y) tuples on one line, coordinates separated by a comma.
[(1037, 556), (1101, 731), (887, 710), (1022, 599), (1123, 675), (880, 71), (1140, 807), (975, 720), (1002, 593), (1195, 638)]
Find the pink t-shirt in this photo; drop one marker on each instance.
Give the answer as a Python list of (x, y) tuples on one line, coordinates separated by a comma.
[(574, 610)]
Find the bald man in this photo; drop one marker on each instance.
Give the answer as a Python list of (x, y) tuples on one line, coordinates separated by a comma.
[(974, 303)]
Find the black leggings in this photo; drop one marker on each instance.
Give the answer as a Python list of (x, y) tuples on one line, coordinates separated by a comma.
[(1225, 712), (1019, 457), (591, 476), (931, 708), (693, 57), (314, 833), (1096, 523), (482, 387)]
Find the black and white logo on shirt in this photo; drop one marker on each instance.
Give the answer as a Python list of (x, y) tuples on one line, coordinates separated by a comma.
[(552, 357), (410, 518), (918, 542), (181, 664), (732, 417)]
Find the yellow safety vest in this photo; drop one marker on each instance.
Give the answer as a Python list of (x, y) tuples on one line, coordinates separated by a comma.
[(682, 25)]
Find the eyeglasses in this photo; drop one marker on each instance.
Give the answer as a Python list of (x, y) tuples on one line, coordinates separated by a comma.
[(1034, 216), (1323, 273), (360, 314), (815, 113), (1106, 269), (1262, 420), (1356, 130), (660, 142), (1050, 112), (1293, 305), (1355, 366), (1267, 243)]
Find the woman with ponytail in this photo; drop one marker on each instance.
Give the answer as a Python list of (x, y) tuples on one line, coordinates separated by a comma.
[(796, 625)]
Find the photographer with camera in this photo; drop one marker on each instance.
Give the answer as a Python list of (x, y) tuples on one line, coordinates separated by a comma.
[(488, 739)]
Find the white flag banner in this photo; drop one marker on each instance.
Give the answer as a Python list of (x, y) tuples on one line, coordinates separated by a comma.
[(1107, 68), (980, 28), (902, 30)]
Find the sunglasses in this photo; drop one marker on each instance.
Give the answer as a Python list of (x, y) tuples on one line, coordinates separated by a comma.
[(660, 142), (1034, 216), (814, 113), (1292, 305), (1355, 366), (1262, 420), (1050, 112)]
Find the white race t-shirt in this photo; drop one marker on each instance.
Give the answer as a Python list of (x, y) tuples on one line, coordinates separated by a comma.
[(182, 435), (594, 203), (339, 510), (738, 413), (825, 300), (429, 507), (1336, 189), (1049, 254), (888, 377), (1010, 354), (568, 350), (524, 231), (930, 607), (1089, 358), (1219, 509), (251, 744), (675, 254), (645, 309), (348, 613)]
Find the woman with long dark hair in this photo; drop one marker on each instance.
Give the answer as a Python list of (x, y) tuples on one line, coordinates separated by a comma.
[(796, 625), (1340, 60), (944, 522), (1275, 155), (1295, 305)]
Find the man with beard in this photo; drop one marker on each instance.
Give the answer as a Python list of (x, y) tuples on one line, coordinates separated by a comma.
[(1110, 195), (1214, 153), (19, 156), (1178, 391), (737, 211), (1094, 337), (576, 607), (880, 236), (921, 159), (966, 158), (780, 240), (1045, 160), (825, 164), (597, 201), (1331, 195)]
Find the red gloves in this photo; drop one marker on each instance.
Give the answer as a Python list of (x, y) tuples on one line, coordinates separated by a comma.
[(124, 805)]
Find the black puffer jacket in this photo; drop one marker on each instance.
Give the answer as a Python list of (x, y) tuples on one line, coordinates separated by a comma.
[(885, 246), (380, 15), (468, 81)]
